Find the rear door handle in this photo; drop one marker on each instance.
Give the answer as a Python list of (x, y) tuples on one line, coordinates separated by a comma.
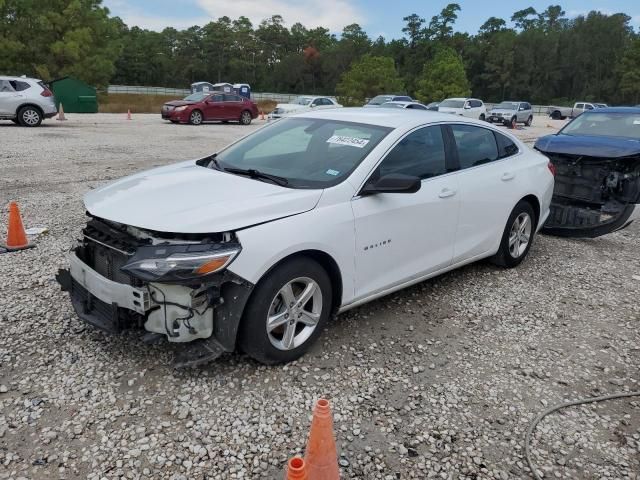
[(446, 193), (508, 176)]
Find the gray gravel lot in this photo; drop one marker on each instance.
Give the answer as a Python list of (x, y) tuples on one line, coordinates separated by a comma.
[(437, 381)]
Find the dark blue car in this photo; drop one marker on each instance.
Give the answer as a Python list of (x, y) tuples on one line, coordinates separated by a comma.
[(597, 183)]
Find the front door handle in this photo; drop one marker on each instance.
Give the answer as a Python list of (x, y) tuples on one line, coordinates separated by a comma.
[(446, 193), (508, 176)]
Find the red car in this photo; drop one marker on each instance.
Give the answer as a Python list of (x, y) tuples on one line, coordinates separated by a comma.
[(212, 106)]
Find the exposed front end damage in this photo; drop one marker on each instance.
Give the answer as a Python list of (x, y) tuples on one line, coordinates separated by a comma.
[(174, 287), (593, 196)]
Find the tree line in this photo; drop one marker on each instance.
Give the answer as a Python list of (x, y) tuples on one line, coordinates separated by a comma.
[(545, 57)]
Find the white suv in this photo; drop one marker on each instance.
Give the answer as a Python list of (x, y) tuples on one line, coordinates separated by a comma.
[(25, 101), (465, 107)]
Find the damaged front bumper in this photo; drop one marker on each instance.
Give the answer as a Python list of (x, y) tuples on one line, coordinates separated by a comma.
[(201, 318)]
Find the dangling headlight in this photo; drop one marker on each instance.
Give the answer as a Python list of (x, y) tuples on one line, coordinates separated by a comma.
[(180, 263)]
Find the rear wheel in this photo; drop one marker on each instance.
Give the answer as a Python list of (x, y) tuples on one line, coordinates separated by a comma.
[(529, 121), (556, 115), (286, 312), (195, 118), (245, 118), (517, 237), (29, 117), (482, 117)]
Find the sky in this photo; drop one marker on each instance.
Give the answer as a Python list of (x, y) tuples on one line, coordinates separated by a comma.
[(377, 17)]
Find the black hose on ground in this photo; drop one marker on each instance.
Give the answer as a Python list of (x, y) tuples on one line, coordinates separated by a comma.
[(538, 419)]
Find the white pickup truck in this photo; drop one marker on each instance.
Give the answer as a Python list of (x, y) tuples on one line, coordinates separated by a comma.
[(560, 113)]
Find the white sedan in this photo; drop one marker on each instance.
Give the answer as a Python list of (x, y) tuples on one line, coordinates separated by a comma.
[(256, 246), (303, 104)]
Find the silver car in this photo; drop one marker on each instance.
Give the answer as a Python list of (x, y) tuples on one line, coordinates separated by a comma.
[(25, 101), (409, 105), (511, 113)]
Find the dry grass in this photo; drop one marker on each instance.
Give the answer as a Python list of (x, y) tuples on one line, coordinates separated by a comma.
[(138, 103)]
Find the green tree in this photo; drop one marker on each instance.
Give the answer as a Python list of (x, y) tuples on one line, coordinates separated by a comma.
[(630, 73), (59, 37), (368, 77), (443, 77)]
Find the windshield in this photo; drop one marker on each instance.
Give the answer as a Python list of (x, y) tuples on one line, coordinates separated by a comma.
[(507, 106), (380, 99), (309, 153), (452, 104), (625, 125), (302, 101), (196, 97)]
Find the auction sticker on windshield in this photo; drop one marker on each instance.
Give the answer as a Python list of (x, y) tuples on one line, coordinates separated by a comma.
[(350, 141)]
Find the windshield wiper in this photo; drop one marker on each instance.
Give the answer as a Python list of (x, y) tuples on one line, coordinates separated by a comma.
[(253, 173)]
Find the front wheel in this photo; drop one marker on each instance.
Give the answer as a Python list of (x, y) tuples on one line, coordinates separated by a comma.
[(482, 117), (245, 118), (195, 118), (556, 115), (529, 121), (286, 312), (517, 237)]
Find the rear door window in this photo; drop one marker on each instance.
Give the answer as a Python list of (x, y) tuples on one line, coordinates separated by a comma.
[(231, 98), (476, 145), (19, 86)]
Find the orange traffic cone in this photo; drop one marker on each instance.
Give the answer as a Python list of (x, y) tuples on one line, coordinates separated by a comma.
[(321, 456), (61, 116), (296, 469), (129, 114), (261, 114), (16, 236)]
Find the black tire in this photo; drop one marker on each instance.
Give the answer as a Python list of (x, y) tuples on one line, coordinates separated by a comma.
[(505, 257), (29, 116), (173, 121), (482, 117), (514, 123), (529, 121), (196, 117), (556, 115), (15, 120), (246, 117), (255, 340)]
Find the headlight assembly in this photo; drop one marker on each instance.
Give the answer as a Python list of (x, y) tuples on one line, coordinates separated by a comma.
[(180, 263), (181, 108)]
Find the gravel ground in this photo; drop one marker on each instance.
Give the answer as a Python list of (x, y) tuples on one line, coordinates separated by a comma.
[(437, 381)]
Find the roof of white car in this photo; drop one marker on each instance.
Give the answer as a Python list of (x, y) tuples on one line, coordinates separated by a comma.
[(385, 117), (9, 77)]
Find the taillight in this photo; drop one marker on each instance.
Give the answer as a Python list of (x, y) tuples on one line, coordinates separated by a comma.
[(552, 168), (46, 92)]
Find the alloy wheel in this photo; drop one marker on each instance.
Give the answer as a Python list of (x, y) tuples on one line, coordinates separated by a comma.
[(520, 235), (294, 313), (246, 118), (30, 117), (196, 118)]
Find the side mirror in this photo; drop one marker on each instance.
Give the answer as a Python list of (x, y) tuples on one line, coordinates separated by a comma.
[(393, 183), (467, 107), (312, 105)]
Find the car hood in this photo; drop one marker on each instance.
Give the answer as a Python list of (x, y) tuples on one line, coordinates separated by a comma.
[(450, 110), (179, 103), (290, 107), (502, 111), (590, 146), (188, 198)]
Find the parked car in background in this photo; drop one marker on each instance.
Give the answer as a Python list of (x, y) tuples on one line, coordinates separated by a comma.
[(303, 104), (26, 101), (433, 106), (465, 107), (257, 245), (560, 113), (380, 99), (202, 107), (511, 113), (597, 162), (409, 105)]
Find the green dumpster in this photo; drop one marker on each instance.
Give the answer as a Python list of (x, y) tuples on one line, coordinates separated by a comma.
[(75, 95)]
